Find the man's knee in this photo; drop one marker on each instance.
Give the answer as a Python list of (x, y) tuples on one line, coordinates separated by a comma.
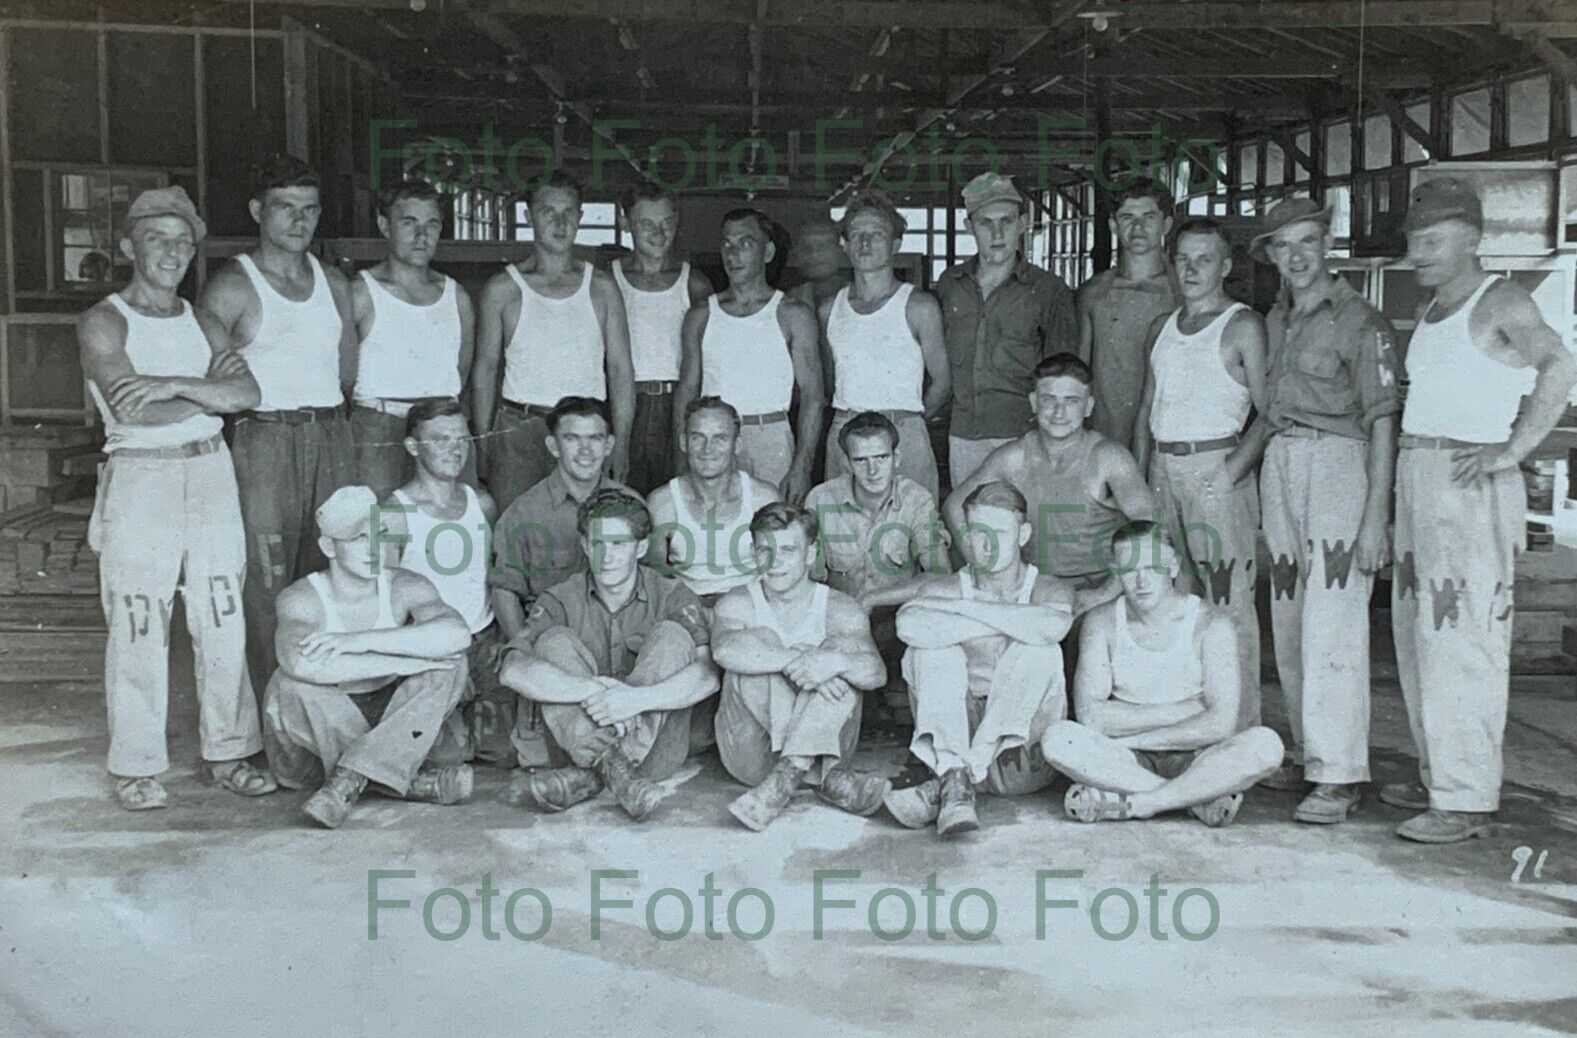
[(1062, 740), (561, 647), (1263, 748)]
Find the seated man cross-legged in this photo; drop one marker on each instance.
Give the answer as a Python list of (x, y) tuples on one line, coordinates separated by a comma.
[(796, 655), (349, 636), (616, 657), (1157, 694), (984, 668)]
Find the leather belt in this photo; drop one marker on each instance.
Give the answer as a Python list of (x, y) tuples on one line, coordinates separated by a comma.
[(1304, 432), (892, 415), (296, 415), (1186, 447), (1440, 443), (768, 418), (528, 410), (396, 406), (195, 449), (655, 388)]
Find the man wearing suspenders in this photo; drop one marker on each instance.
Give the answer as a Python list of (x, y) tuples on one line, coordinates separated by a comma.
[(167, 515), (290, 316), (1479, 345), (415, 327), (558, 325), (658, 289)]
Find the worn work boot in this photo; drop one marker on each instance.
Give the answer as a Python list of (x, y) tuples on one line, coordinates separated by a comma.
[(1218, 812), (638, 796), (1329, 803), (330, 806), (1410, 795), (857, 792), (1288, 777), (1436, 826), (917, 806), (557, 789), (141, 794), (757, 808), (446, 785), (957, 812)]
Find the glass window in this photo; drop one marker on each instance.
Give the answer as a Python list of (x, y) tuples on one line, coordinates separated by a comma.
[(1339, 198), (1376, 142), (1248, 166), (1528, 111), (1275, 164), (1199, 205), (1299, 173), (913, 243), (1338, 150), (1470, 122), (1571, 109), (1421, 113), (914, 218)]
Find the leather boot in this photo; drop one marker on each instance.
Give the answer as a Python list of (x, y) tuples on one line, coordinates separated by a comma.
[(757, 808), (957, 812), (330, 806), (555, 789), (917, 806), (446, 785), (857, 792), (636, 795)]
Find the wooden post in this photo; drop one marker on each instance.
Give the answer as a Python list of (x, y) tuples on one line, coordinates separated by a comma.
[(298, 118), (1101, 248)]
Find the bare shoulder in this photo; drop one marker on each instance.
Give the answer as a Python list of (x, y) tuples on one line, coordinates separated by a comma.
[(335, 278), (602, 281), (922, 304), (793, 310), (760, 492), (1112, 456), (660, 500), (938, 585), (1100, 619), (299, 603), (485, 502), (1050, 590), (101, 324), (500, 289), (733, 610), (842, 609), (226, 283), (700, 287), (410, 588), (1215, 623)]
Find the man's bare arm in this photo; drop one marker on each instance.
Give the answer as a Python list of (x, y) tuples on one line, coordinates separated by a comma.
[(1129, 489), (489, 349), (1223, 691), (741, 647), (688, 387), (435, 630), (799, 326), (1142, 440), (925, 322), (609, 304), (349, 341), (467, 339), (999, 464), (300, 618), (1533, 342)]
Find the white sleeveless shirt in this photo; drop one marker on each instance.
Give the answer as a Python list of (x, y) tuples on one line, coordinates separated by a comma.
[(1454, 388), (557, 349), (295, 354), (877, 364), (1196, 398), (412, 351), (745, 360), (332, 624), (1171, 674), (718, 556), (655, 320), (160, 346), (805, 631), (451, 553)]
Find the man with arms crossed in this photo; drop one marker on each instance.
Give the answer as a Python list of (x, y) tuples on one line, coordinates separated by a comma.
[(884, 338), (795, 657), (1206, 371), (1479, 345), (984, 669), (1001, 314), (1156, 695), (371, 662), (416, 331), (658, 289), (616, 657), (558, 324), (290, 317), (754, 348), (167, 516)]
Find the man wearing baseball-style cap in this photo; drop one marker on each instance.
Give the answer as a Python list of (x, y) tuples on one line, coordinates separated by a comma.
[(167, 513), (1001, 315), (1328, 432), (1479, 346)]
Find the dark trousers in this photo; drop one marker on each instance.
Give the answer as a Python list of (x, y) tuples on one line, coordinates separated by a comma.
[(652, 461), (382, 462), (517, 454)]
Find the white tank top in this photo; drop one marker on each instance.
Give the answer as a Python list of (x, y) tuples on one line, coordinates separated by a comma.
[(1195, 396), (295, 354), (745, 360), (557, 348), (655, 319), (412, 351), (331, 618), (1171, 674), (1454, 388), (450, 553), (877, 364), (966, 585), (165, 346), (802, 632), (717, 557)]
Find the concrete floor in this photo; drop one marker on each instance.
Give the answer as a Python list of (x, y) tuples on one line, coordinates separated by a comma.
[(220, 916)]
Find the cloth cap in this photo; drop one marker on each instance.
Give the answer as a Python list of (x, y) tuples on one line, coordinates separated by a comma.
[(1288, 211), (987, 188), (167, 201), (342, 516), (1443, 198)]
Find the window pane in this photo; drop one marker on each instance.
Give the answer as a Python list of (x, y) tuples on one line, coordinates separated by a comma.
[(522, 233), (1299, 174), (937, 267), (1248, 166), (939, 218), (1275, 164), (1199, 205), (1340, 200), (1571, 109), (913, 243), (1528, 111), (597, 214), (1412, 151), (594, 236), (1470, 122), (915, 218), (1376, 142), (837, 212), (963, 245), (1338, 150)]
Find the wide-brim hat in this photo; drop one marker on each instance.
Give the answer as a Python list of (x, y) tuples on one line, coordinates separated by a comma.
[(1285, 213)]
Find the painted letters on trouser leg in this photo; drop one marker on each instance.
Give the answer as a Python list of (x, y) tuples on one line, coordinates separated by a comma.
[(1451, 614)]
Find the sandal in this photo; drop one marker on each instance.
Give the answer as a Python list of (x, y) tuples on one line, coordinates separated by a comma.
[(141, 794), (1218, 812), (241, 777), (1091, 804)]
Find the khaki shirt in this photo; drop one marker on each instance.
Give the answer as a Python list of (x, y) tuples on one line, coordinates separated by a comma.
[(1333, 368), (535, 543), (861, 552), (615, 639), (1121, 313), (993, 344)]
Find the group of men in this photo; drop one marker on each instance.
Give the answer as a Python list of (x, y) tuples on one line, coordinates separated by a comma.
[(650, 571)]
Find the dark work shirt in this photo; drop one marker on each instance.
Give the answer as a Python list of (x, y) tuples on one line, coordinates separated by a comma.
[(535, 543), (615, 639)]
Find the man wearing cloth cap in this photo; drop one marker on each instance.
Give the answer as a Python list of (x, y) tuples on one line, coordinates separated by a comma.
[(371, 662), (1328, 432), (1000, 316), (167, 513), (1479, 345)]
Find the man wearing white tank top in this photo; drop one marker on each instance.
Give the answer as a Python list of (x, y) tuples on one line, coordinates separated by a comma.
[(755, 348), (1479, 345), (1206, 370), (416, 329), (796, 655), (557, 324), (1156, 695), (884, 339), (371, 663), (658, 289), (167, 516), (290, 316)]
